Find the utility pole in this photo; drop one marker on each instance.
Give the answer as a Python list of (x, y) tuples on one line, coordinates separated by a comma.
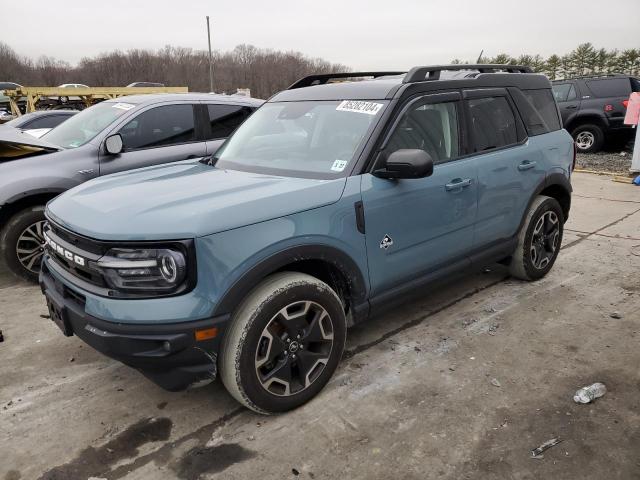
[(210, 57)]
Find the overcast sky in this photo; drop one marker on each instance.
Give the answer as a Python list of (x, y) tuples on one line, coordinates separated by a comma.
[(371, 34)]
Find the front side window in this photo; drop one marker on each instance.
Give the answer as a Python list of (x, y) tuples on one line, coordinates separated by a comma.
[(493, 124), (159, 126), (432, 127), (224, 119), (84, 126), (564, 92), (312, 139)]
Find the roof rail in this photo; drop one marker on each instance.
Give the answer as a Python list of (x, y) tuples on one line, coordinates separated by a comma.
[(321, 79), (421, 74), (595, 75)]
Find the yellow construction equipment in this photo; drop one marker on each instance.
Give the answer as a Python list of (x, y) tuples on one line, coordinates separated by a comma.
[(88, 96)]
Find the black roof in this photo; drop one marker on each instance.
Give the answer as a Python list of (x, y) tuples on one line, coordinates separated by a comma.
[(385, 85)]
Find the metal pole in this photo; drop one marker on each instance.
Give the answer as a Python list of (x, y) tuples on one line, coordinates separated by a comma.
[(210, 57), (635, 159)]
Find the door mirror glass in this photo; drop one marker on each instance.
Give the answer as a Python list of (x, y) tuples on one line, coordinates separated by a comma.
[(113, 144), (407, 163)]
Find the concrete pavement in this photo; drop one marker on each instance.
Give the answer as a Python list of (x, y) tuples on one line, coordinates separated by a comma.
[(414, 397)]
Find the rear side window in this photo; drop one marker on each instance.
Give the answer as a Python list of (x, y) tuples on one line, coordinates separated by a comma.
[(224, 119), (432, 127), (611, 87), (543, 117), (160, 126), (564, 92), (493, 124)]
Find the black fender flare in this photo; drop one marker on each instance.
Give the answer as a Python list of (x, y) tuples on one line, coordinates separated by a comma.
[(550, 180), (325, 253)]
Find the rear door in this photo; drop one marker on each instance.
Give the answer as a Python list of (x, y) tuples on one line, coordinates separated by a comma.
[(568, 100), (160, 134), (509, 167), (223, 119)]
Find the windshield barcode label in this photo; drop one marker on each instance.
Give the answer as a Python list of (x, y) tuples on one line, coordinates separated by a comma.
[(370, 108)]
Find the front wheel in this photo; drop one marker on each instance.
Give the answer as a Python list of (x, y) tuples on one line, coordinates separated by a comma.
[(284, 343), (539, 240), (22, 243)]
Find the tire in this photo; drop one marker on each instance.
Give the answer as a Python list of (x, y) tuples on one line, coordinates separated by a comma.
[(589, 138), (250, 350), (528, 261), (24, 230)]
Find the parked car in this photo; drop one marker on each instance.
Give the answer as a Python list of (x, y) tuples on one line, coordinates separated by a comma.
[(4, 100), (145, 84), (329, 203), (593, 108), (151, 129), (40, 122)]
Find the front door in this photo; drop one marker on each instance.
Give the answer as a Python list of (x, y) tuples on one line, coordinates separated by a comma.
[(416, 226), (568, 100), (162, 134)]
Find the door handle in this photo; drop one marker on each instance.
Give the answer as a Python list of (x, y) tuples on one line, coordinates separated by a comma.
[(526, 165), (570, 107), (457, 184)]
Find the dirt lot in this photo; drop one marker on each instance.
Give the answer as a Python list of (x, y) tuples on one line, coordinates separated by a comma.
[(415, 396)]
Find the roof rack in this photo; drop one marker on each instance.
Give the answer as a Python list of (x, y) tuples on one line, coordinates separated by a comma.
[(421, 74), (321, 79)]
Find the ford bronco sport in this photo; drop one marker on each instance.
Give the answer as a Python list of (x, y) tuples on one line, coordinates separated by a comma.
[(331, 201)]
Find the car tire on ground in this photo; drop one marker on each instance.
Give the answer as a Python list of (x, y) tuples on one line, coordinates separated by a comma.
[(284, 342), (589, 138), (539, 240), (21, 243)]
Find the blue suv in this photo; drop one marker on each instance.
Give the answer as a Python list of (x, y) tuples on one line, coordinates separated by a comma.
[(336, 198)]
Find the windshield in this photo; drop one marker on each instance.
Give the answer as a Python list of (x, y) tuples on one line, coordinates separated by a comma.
[(317, 139), (84, 126)]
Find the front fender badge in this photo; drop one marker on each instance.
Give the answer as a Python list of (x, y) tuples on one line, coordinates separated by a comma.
[(386, 242)]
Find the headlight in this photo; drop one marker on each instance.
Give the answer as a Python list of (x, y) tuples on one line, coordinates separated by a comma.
[(161, 270)]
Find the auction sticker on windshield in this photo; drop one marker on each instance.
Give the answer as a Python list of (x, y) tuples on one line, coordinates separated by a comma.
[(124, 106), (370, 108), (339, 165)]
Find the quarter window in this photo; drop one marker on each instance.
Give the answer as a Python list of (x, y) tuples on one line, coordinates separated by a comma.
[(160, 126), (432, 127), (543, 116), (224, 119), (493, 124)]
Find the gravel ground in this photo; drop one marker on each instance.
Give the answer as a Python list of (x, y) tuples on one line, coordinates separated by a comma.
[(619, 162)]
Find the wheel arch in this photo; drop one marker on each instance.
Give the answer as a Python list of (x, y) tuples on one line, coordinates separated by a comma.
[(329, 264), (555, 185), (25, 200), (586, 119)]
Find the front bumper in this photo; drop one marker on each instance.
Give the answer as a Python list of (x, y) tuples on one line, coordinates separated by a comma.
[(166, 353)]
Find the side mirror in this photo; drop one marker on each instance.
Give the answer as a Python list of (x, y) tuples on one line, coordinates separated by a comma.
[(113, 144), (407, 163)]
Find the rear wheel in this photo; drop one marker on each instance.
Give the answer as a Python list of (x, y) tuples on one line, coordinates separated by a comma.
[(539, 240), (22, 243), (588, 138), (284, 343)]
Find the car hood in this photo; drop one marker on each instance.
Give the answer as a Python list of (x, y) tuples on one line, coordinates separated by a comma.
[(184, 200), (15, 143)]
